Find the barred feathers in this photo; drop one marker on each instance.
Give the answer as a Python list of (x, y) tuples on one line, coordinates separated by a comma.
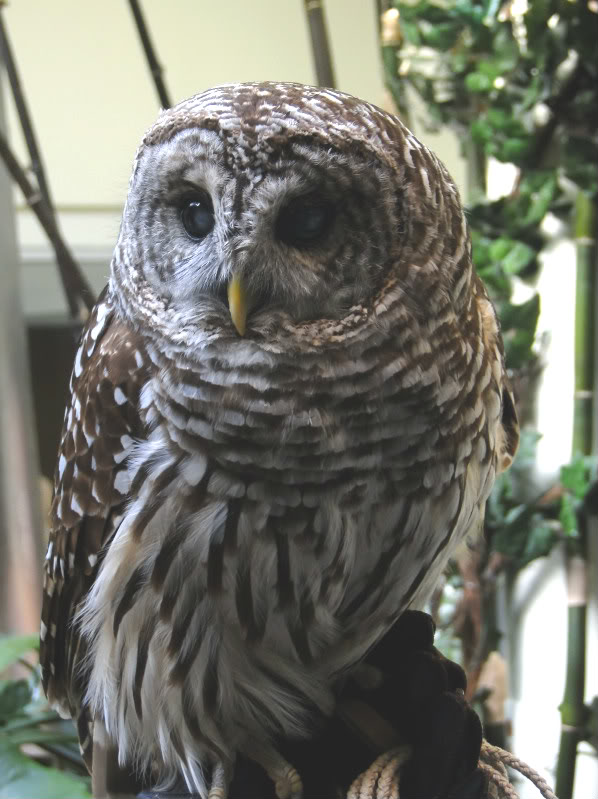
[(238, 520)]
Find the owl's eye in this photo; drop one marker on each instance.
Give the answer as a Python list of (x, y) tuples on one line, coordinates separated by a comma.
[(198, 217), (304, 221)]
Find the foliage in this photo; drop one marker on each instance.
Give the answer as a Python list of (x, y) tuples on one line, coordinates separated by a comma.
[(521, 530), (521, 88), (510, 80), (524, 529), (39, 755)]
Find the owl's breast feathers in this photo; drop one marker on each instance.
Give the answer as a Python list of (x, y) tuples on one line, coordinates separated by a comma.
[(229, 532)]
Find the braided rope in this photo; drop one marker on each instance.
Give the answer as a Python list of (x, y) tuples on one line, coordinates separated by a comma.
[(498, 755), (382, 778), (498, 780)]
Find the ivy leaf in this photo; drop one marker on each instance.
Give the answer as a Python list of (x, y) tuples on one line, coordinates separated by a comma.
[(411, 32), (575, 477), (511, 536), (519, 256), (540, 201), (442, 36), (478, 82), (14, 695), (523, 316), (498, 118), (567, 517), (539, 542), (519, 329), (514, 150), (23, 778), (481, 131), (13, 647)]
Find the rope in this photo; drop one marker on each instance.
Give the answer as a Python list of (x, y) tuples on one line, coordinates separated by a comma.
[(381, 780), (498, 780), (498, 755)]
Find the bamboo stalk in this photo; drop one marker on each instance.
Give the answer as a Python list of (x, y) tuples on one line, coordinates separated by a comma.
[(155, 67), (319, 43), (585, 300), (573, 710)]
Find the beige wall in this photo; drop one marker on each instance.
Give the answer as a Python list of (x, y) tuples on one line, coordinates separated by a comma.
[(90, 90), (91, 96)]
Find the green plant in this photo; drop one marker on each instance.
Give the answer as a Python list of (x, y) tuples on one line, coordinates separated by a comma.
[(39, 754), (522, 88)]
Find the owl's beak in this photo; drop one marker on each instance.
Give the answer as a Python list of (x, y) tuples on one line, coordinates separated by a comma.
[(237, 303)]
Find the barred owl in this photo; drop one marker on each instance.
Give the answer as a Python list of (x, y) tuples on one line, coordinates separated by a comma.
[(288, 408)]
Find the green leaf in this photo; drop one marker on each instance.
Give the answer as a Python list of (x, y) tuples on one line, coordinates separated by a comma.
[(478, 82), (539, 542), (43, 736), (480, 248), (567, 516), (442, 36), (14, 695), (491, 69), (30, 720), (12, 647), (524, 316), (518, 348), (500, 248), (525, 458), (515, 514), (511, 535), (23, 778), (480, 130), (519, 256), (575, 477), (515, 150), (519, 328), (540, 201), (497, 283), (498, 118), (411, 32), (459, 61)]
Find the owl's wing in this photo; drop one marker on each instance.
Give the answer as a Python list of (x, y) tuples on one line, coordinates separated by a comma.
[(100, 427)]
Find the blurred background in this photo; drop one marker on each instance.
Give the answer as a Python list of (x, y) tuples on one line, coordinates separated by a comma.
[(506, 94)]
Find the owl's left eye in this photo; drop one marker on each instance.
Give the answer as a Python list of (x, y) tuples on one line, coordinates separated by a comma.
[(198, 217), (304, 221)]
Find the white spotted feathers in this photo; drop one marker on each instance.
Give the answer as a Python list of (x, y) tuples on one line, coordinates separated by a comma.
[(238, 519)]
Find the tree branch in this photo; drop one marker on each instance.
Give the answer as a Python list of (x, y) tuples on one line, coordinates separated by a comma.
[(23, 112), (76, 286), (319, 43), (154, 65)]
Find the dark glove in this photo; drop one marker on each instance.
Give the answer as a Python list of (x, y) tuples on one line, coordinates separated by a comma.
[(422, 696)]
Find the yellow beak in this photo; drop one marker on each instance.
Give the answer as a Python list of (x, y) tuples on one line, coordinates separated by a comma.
[(237, 303)]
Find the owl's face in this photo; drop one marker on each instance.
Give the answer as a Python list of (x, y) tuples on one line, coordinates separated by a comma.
[(260, 207), (302, 230)]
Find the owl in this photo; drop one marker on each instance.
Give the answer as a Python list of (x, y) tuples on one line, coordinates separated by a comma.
[(287, 409)]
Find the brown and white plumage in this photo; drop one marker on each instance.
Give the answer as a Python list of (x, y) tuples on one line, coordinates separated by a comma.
[(238, 519)]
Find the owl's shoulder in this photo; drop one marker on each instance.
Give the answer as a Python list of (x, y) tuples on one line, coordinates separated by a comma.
[(101, 425), (102, 419)]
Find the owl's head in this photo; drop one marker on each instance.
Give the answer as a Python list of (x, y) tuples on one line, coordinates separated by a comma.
[(255, 209)]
